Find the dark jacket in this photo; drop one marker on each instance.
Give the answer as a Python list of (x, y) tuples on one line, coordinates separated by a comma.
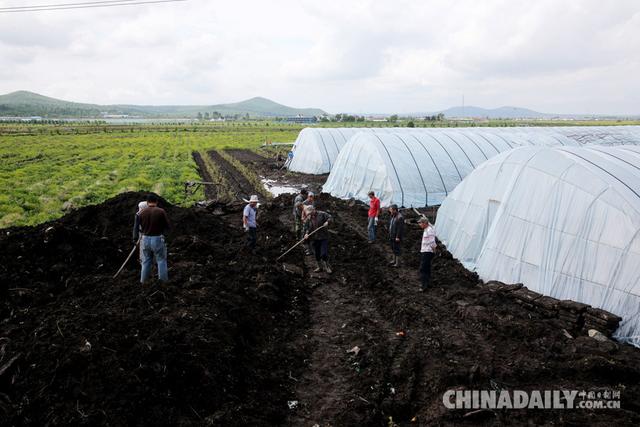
[(312, 223), (396, 227), (151, 221)]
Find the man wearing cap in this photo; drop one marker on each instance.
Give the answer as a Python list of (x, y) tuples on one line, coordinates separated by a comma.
[(427, 252), (154, 222), (249, 222), (318, 220), (374, 211), (297, 212), (396, 233)]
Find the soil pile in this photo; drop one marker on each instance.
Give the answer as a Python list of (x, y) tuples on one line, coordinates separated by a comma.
[(85, 349), (233, 339)]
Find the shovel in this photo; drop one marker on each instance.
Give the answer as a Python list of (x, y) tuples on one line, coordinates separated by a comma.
[(128, 258), (296, 245)]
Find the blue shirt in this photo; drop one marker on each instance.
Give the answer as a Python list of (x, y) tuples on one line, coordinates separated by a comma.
[(250, 213)]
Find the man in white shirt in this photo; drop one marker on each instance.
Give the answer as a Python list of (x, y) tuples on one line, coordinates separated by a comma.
[(427, 251)]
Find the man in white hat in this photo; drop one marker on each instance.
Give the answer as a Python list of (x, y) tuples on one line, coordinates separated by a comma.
[(249, 222)]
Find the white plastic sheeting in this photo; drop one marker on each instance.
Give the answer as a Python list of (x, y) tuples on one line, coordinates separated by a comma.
[(601, 135), (316, 149), (419, 168), (565, 221)]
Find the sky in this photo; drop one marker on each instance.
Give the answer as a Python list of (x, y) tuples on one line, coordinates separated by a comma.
[(356, 56)]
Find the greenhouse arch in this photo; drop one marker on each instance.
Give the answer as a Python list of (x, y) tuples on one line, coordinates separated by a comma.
[(417, 168), (576, 213)]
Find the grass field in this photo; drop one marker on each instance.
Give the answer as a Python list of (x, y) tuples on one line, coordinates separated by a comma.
[(59, 168), (47, 169)]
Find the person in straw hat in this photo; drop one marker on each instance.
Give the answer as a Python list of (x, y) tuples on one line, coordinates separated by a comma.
[(249, 222)]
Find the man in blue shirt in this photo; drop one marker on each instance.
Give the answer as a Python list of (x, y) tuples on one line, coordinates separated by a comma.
[(249, 222)]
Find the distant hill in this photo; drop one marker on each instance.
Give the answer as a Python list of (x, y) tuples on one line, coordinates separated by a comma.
[(26, 104), (495, 113), (23, 103)]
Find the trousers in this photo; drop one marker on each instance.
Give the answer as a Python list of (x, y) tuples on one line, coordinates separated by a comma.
[(153, 247), (425, 269)]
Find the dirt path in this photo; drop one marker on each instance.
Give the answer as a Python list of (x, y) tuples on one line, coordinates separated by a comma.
[(248, 156), (209, 190), (238, 183), (271, 169)]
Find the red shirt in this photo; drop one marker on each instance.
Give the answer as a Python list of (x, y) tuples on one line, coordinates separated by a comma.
[(374, 207)]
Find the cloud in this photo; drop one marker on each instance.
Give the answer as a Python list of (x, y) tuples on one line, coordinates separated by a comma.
[(357, 56)]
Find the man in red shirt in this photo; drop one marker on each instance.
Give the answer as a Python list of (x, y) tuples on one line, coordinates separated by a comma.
[(374, 211)]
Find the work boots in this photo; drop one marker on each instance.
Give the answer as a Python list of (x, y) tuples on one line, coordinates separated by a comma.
[(326, 267), (318, 269), (395, 262)]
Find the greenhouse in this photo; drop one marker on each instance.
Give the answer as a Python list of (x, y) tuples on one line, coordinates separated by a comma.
[(419, 168), (575, 212), (316, 149)]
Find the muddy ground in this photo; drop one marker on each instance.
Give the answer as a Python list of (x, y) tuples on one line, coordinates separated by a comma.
[(234, 339)]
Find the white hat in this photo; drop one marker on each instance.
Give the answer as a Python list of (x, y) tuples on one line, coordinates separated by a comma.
[(253, 198), (311, 194)]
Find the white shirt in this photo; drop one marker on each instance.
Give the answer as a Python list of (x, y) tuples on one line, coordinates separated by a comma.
[(250, 213), (428, 239)]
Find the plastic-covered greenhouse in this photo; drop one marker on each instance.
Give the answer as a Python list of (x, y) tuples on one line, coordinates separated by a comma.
[(419, 168), (565, 221), (316, 149)]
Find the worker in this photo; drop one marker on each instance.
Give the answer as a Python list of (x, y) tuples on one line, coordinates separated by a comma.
[(396, 233), (297, 212), (310, 201), (249, 222), (318, 220), (427, 252), (374, 211), (154, 223)]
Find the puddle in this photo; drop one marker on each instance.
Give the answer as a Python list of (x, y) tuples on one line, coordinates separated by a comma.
[(277, 189)]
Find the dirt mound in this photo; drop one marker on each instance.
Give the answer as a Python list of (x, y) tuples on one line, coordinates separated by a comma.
[(92, 350), (234, 340)]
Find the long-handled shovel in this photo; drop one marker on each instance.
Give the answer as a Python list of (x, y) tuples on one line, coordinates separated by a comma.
[(128, 258), (417, 212), (296, 245)]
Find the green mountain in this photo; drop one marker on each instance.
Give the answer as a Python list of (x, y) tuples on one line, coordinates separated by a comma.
[(27, 104), (23, 103)]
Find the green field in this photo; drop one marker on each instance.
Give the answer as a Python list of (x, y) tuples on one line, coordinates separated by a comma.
[(46, 170)]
